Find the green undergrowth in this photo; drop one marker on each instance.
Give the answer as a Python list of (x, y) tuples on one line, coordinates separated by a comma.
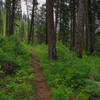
[(16, 73), (70, 77)]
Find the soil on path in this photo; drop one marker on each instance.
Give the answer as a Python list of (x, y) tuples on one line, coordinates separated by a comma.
[(41, 90)]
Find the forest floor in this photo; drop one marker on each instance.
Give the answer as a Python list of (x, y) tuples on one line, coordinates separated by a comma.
[(41, 90)]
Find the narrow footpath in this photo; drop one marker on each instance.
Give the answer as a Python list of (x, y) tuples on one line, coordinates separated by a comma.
[(41, 90)]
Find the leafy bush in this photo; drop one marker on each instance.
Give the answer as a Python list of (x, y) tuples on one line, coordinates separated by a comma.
[(16, 73), (68, 72), (6, 97), (13, 53)]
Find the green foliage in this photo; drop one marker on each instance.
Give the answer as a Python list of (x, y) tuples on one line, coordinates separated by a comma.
[(6, 97), (16, 73), (2, 22), (13, 53), (69, 75), (82, 96), (59, 94)]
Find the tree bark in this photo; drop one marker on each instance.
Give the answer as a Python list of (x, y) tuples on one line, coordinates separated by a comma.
[(31, 32), (79, 38), (12, 17), (90, 27), (28, 26), (46, 25), (51, 33), (73, 23)]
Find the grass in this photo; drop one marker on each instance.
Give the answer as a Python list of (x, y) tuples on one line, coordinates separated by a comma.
[(69, 76)]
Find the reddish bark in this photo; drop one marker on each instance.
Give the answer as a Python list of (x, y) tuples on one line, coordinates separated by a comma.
[(50, 30), (79, 38)]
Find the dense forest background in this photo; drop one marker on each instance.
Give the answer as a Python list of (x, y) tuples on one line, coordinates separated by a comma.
[(65, 36)]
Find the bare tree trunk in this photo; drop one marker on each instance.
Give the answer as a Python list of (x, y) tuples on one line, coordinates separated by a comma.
[(51, 33), (60, 23), (90, 27), (31, 33), (73, 23), (27, 8), (79, 38), (8, 11), (46, 25), (56, 17), (12, 17), (93, 26)]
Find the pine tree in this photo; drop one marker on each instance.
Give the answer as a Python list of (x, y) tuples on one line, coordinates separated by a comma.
[(79, 37), (51, 33)]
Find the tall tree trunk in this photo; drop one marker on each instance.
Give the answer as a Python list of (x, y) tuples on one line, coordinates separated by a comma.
[(8, 18), (93, 26), (12, 17), (46, 25), (73, 4), (56, 21), (60, 20), (79, 38), (27, 8), (51, 33), (31, 32), (56, 16), (90, 27)]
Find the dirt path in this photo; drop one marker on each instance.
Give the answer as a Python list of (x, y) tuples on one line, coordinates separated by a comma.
[(41, 91)]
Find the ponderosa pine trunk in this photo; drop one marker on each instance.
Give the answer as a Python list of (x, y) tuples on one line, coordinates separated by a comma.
[(51, 33), (8, 11), (27, 8), (79, 38), (73, 23), (56, 16), (31, 32), (90, 27), (46, 26), (12, 17)]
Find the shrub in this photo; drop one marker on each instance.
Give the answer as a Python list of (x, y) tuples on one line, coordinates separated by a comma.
[(16, 73), (13, 53), (68, 72)]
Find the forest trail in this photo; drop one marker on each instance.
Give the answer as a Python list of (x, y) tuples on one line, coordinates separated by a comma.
[(41, 90)]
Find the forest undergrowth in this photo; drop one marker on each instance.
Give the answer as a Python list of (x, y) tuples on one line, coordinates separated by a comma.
[(16, 73), (69, 77)]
